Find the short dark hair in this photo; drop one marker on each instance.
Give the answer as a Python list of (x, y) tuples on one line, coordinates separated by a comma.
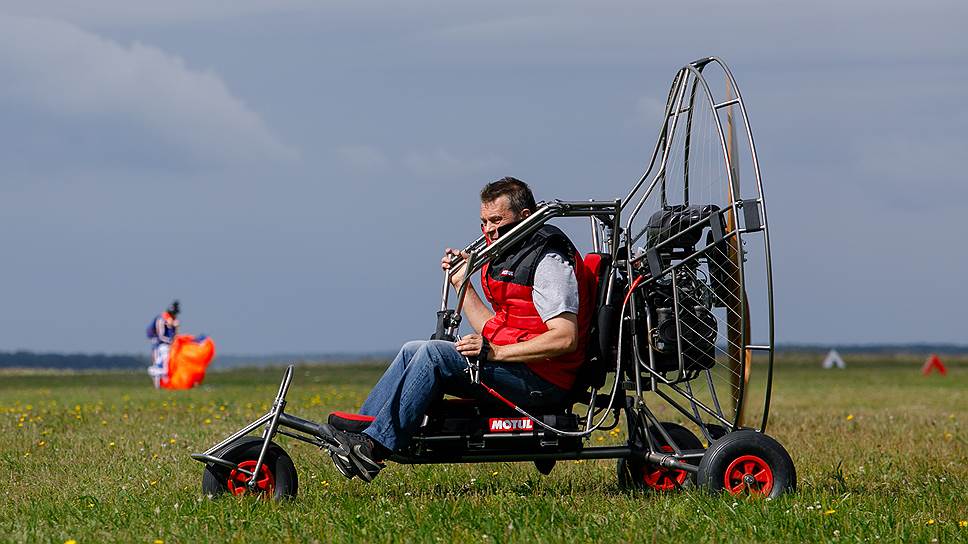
[(519, 194)]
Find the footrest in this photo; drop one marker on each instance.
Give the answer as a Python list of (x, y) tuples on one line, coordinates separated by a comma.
[(345, 421)]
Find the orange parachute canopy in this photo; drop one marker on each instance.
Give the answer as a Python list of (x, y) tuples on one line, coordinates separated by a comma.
[(187, 361)]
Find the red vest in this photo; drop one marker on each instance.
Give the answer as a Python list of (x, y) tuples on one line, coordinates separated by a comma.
[(508, 284)]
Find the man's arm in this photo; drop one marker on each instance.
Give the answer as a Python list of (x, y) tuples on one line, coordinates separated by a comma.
[(561, 338), (556, 299), (475, 310)]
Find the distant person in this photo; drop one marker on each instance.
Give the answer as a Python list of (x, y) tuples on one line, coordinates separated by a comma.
[(161, 333)]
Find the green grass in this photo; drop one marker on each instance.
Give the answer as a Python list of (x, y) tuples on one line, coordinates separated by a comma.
[(880, 452)]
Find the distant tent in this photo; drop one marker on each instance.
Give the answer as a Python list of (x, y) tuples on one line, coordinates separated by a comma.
[(188, 361), (833, 360), (934, 363)]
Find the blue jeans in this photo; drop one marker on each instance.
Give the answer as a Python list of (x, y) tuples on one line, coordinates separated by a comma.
[(424, 370)]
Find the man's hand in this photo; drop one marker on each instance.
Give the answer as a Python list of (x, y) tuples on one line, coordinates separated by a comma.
[(474, 309), (470, 345), (458, 275)]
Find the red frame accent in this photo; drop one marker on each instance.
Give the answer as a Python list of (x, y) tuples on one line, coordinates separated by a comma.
[(498, 396), (632, 287), (748, 465), (237, 482)]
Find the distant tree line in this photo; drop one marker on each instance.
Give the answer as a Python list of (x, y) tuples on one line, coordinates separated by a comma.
[(29, 359), (877, 349)]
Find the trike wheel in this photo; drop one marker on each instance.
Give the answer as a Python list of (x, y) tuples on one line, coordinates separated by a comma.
[(747, 463), (276, 479), (716, 431), (636, 473)]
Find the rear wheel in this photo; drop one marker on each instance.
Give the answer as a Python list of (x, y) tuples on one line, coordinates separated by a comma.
[(747, 462), (716, 431), (635, 473), (276, 478)]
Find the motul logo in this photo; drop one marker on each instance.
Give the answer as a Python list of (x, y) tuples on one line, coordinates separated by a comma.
[(507, 425), (507, 272)]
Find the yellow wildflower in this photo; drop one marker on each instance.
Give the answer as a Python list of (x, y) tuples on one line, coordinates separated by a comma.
[(850, 417)]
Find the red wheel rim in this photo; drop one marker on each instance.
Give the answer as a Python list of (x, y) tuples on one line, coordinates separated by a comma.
[(750, 474), (239, 481), (662, 478)]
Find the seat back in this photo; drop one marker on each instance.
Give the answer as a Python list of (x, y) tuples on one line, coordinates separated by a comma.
[(602, 327)]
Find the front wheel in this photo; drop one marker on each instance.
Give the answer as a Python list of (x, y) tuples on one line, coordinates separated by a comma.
[(276, 478), (747, 462)]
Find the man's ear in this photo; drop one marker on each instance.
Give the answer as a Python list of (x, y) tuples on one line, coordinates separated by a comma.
[(525, 213)]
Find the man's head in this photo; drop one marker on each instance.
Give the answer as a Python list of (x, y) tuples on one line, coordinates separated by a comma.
[(504, 202), (174, 308)]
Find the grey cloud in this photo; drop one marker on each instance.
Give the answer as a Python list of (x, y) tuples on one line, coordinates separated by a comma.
[(362, 158), (762, 31), (61, 69), (649, 111), (117, 12), (440, 164)]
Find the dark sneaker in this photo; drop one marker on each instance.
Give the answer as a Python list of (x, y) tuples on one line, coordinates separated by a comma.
[(344, 465), (339, 454), (362, 453)]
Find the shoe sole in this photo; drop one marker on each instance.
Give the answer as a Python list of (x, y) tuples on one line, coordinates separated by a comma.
[(368, 468), (344, 466)]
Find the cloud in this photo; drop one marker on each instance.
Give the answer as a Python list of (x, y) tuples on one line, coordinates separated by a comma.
[(443, 164), (914, 174), (362, 158), (624, 32), (62, 70), (114, 12), (649, 111)]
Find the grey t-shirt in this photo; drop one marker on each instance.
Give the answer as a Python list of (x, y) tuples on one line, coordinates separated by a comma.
[(555, 287)]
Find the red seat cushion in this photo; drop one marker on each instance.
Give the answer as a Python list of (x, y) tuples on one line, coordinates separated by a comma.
[(345, 421)]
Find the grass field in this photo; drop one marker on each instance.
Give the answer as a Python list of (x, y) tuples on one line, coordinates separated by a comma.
[(880, 451)]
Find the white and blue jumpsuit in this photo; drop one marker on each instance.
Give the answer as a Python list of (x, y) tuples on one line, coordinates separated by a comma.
[(161, 333)]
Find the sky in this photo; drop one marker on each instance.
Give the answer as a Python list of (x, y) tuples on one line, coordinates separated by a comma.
[(292, 170)]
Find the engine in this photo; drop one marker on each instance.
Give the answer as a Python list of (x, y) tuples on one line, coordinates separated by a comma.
[(673, 234)]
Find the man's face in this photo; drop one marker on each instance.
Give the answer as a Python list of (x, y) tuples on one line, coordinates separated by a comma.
[(497, 213)]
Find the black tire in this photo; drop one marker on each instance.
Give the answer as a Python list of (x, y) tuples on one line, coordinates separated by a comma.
[(636, 473), (545, 466), (716, 431), (747, 462), (280, 483)]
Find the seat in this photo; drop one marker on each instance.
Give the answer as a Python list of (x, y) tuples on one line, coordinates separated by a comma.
[(599, 341), (347, 421)]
